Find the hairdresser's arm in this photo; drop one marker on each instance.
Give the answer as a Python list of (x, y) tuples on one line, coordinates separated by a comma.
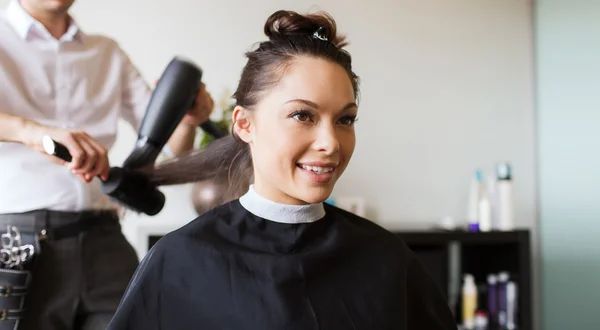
[(89, 157), (182, 139), (13, 128)]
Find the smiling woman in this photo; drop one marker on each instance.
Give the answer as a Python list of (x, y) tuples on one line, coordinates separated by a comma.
[(293, 130), (275, 256), (301, 136)]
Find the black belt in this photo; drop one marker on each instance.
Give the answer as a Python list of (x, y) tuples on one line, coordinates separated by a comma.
[(57, 225)]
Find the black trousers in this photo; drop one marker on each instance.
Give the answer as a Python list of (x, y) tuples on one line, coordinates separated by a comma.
[(78, 280)]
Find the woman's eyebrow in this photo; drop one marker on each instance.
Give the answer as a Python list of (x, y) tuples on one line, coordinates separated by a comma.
[(314, 105)]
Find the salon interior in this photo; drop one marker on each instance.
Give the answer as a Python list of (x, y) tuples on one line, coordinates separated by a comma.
[(477, 137)]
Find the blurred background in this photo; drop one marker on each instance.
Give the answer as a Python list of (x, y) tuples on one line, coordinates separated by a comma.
[(448, 88)]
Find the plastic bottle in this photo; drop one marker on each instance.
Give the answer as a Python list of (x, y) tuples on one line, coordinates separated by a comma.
[(492, 192), (469, 300), (505, 198), (485, 212), (511, 305), (503, 278), (473, 203), (492, 299)]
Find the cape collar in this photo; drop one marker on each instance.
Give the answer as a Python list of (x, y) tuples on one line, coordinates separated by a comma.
[(277, 212)]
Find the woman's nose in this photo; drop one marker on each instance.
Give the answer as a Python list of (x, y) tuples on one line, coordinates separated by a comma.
[(327, 140)]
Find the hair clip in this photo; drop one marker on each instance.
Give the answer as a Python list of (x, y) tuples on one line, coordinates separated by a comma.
[(318, 34)]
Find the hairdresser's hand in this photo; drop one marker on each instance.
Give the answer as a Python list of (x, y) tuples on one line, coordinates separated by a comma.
[(89, 157), (201, 110)]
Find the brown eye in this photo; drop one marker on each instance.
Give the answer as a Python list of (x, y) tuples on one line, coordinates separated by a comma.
[(302, 115), (348, 120)]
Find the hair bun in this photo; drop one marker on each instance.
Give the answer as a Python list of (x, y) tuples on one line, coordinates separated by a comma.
[(284, 24)]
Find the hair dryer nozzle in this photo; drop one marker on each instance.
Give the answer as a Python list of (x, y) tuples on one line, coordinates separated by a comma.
[(134, 191)]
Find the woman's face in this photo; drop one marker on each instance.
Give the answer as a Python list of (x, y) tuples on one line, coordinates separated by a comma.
[(301, 134)]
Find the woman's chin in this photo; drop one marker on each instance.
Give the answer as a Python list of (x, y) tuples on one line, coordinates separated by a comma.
[(314, 195)]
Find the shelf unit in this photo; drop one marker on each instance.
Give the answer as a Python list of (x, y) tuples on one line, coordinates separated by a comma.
[(447, 255)]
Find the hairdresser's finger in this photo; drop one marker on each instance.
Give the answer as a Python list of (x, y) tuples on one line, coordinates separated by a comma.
[(200, 97), (91, 156), (85, 177), (99, 169), (71, 142), (101, 166), (204, 99), (207, 108), (205, 102)]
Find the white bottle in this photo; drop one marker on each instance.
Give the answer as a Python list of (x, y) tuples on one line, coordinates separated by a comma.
[(492, 192), (511, 305), (469, 301), (473, 203), (485, 213), (505, 197)]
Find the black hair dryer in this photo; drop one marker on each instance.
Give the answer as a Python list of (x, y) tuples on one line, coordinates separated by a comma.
[(173, 96)]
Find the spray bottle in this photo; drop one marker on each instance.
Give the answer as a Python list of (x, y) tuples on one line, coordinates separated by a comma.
[(505, 198)]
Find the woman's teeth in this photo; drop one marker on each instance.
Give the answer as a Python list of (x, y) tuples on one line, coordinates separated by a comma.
[(317, 169)]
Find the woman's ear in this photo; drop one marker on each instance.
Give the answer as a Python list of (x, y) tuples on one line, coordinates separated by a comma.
[(242, 125)]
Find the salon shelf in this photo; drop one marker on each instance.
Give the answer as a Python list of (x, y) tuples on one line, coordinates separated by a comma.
[(447, 255), (417, 238)]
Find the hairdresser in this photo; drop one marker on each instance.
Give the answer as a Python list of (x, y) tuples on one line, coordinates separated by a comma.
[(57, 80)]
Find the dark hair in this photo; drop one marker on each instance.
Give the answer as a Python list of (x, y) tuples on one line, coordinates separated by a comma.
[(290, 35)]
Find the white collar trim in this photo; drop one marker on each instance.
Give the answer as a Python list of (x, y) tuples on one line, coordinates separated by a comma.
[(277, 212)]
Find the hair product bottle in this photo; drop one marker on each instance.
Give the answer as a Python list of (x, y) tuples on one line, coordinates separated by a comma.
[(505, 198), (475, 191), (469, 300), (492, 191), (503, 278), (485, 212), (492, 299), (511, 305)]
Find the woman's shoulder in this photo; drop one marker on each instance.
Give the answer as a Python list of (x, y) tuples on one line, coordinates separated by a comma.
[(365, 228), (356, 220), (204, 227)]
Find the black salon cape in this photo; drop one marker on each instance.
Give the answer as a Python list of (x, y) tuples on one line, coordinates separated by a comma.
[(231, 270)]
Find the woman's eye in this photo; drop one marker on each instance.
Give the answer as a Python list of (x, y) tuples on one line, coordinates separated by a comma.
[(348, 120), (302, 115)]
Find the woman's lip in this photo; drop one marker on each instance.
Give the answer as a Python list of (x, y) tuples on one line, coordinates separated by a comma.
[(324, 177), (319, 164)]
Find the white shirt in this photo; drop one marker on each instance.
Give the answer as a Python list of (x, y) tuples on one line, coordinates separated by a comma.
[(80, 81)]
